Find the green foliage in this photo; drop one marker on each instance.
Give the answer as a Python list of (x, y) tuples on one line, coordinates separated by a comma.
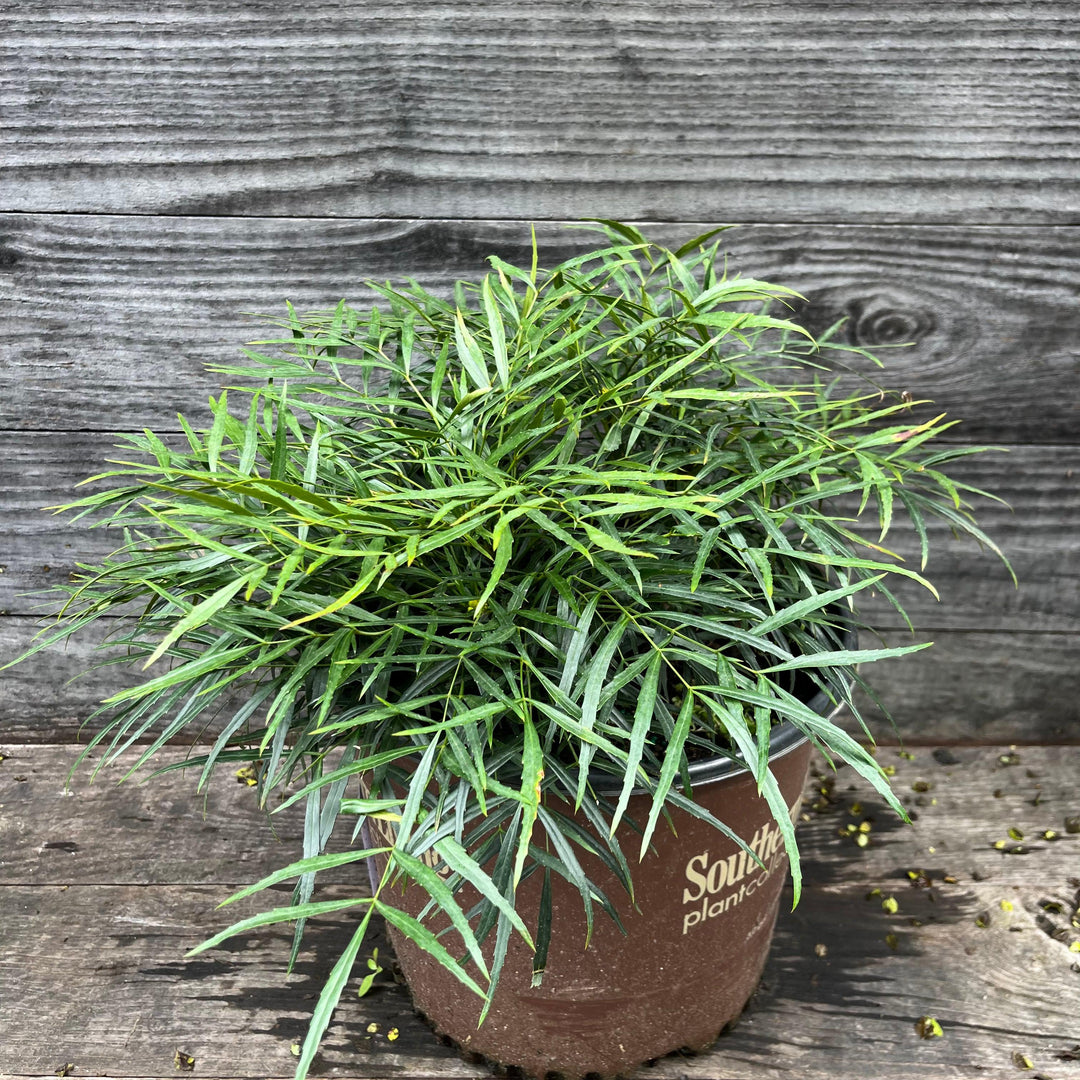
[(506, 553)]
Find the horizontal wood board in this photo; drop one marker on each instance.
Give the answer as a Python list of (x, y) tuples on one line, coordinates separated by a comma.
[(108, 321), (1036, 527), (91, 968), (971, 685), (748, 110)]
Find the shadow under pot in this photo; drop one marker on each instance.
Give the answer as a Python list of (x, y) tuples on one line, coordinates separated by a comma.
[(695, 945)]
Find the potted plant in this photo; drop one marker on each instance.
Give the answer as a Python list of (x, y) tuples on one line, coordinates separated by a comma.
[(549, 591)]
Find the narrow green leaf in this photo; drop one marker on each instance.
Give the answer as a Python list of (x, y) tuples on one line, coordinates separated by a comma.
[(420, 935), (329, 997), (459, 860), (844, 657), (470, 355), (503, 554), (279, 460), (822, 601), (278, 915), (200, 614), (672, 758), (497, 331), (643, 718), (543, 930), (532, 773), (310, 865), (440, 892)]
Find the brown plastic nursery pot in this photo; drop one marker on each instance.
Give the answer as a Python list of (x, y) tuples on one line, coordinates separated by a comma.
[(695, 943)]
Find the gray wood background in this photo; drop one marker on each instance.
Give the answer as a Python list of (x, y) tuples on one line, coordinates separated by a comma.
[(911, 166), (105, 886)]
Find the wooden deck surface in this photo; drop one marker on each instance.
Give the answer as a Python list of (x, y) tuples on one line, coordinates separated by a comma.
[(105, 886)]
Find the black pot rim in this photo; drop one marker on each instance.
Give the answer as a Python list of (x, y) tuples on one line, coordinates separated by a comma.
[(783, 738)]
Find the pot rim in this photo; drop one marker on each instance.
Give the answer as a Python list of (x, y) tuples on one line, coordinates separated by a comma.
[(783, 738)]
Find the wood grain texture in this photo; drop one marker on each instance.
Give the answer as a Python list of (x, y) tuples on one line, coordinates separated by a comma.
[(108, 321), (93, 974), (972, 685), (1036, 527), (160, 831), (62, 829), (980, 686), (749, 110)]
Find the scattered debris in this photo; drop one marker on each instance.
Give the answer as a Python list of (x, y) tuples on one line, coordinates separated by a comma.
[(926, 1027), (1011, 849), (944, 756), (825, 794), (1006, 905), (247, 775), (294, 1049), (69, 1068), (1009, 759), (821, 950), (1072, 1054), (183, 1062), (1015, 834), (373, 1029), (392, 1034), (921, 785), (889, 905), (982, 920), (1022, 1061), (1072, 824), (892, 941)]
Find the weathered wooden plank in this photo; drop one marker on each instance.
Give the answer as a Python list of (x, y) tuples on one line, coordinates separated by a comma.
[(979, 687), (971, 685), (160, 831), (753, 111), (107, 321), (963, 800), (101, 982), (1037, 529), (59, 829), (102, 970)]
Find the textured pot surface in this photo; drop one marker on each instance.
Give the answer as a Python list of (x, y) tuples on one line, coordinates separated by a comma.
[(694, 948)]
